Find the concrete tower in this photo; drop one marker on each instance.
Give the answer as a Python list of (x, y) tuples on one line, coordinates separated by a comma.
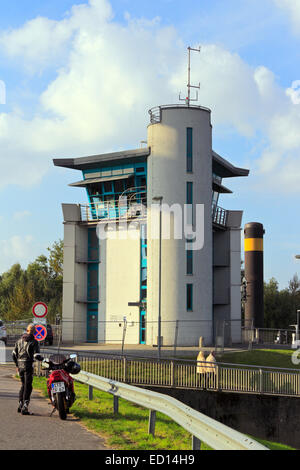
[(180, 171)]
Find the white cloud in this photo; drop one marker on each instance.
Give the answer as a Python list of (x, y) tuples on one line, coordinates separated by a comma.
[(17, 249), (292, 7), (294, 92), (20, 215), (114, 73)]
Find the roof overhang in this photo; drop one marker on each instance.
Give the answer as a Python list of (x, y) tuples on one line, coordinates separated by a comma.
[(225, 169), (106, 159), (86, 182), (219, 188)]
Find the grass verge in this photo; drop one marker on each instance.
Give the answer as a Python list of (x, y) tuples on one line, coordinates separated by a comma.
[(128, 430), (262, 357)]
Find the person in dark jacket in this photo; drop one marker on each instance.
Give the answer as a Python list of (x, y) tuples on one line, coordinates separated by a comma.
[(23, 356)]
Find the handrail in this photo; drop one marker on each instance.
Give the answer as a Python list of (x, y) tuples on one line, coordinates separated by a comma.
[(215, 434), (155, 112)]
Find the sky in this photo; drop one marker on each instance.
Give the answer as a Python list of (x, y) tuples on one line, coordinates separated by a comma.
[(77, 78)]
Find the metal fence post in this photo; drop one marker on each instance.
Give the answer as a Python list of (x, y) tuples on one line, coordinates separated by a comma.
[(116, 404), (196, 443), (261, 384), (152, 421), (90, 392), (172, 374), (124, 369)]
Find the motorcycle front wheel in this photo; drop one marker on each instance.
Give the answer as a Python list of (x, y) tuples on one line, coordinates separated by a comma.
[(60, 403)]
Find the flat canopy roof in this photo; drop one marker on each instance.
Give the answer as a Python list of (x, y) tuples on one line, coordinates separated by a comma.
[(221, 166), (225, 169), (88, 181), (87, 163)]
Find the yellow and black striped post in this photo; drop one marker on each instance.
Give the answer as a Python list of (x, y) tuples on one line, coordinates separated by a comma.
[(254, 274)]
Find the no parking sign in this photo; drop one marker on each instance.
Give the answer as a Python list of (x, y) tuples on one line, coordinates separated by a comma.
[(40, 332)]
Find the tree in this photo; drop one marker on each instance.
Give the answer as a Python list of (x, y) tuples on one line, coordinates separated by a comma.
[(41, 281)]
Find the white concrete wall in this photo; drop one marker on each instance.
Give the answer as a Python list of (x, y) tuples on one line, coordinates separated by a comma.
[(74, 283), (167, 177), (119, 284)]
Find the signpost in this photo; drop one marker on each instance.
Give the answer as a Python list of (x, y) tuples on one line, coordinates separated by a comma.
[(40, 311)]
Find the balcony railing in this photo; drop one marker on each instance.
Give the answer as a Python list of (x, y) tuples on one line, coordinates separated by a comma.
[(130, 205), (219, 215), (155, 113)]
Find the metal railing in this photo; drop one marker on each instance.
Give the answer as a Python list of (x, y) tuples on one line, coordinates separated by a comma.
[(268, 336), (186, 374), (216, 435), (16, 329), (129, 207), (155, 113), (219, 215)]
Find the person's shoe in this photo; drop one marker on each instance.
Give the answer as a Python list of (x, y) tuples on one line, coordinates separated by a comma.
[(24, 410), (20, 406)]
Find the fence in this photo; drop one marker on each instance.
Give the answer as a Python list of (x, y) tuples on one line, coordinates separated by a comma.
[(216, 435), (186, 374), (16, 329)]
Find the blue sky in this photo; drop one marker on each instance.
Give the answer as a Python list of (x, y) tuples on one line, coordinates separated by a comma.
[(79, 73)]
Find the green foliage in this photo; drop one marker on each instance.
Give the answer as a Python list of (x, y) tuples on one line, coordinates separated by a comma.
[(281, 305), (40, 281)]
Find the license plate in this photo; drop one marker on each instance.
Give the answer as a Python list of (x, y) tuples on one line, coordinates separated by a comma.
[(58, 387)]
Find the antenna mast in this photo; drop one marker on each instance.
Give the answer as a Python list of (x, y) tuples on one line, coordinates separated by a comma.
[(189, 86)]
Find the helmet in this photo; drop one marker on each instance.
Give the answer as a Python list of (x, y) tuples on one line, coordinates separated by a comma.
[(72, 367)]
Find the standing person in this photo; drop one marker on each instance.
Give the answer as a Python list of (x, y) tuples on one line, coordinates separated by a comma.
[(201, 369), (23, 356), (211, 370)]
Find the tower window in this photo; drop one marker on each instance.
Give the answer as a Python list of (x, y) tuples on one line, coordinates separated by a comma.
[(189, 261), (189, 297), (189, 149)]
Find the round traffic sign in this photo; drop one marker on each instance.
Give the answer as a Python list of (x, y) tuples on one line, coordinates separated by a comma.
[(40, 310), (40, 332)]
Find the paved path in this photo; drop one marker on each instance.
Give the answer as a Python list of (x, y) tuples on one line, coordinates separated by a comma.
[(38, 432)]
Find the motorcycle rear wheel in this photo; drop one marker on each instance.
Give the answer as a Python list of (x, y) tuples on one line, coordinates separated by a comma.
[(60, 402)]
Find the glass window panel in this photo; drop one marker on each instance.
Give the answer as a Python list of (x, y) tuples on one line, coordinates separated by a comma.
[(189, 297)]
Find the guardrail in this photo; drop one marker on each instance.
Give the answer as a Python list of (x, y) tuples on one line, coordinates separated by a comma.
[(205, 429)]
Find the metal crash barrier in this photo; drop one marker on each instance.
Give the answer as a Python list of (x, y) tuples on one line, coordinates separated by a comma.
[(203, 429)]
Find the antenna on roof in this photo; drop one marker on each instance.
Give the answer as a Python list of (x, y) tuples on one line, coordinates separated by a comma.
[(189, 86)]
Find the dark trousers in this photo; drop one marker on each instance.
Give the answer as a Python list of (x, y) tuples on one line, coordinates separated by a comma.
[(26, 376)]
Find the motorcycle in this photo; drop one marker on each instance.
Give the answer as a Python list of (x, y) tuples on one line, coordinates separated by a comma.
[(60, 385)]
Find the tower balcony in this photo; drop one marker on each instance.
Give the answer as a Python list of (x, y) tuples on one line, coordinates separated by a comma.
[(128, 206), (219, 216)]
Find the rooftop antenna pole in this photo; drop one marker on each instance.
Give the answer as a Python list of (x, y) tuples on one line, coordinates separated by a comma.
[(188, 99)]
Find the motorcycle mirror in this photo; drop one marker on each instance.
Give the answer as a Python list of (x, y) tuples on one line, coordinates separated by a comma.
[(45, 364), (38, 357)]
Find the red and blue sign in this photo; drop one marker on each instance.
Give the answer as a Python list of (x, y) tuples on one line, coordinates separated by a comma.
[(40, 332)]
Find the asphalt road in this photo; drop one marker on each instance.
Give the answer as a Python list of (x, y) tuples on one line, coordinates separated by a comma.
[(38, 432)]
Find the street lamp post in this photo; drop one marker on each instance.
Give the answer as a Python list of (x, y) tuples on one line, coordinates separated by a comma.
[(159, 199)]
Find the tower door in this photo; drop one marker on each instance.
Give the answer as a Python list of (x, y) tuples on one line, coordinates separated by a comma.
[(143, 327), (92, 323)]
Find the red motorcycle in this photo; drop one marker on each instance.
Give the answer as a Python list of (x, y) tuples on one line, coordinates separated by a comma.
[(60, 384)]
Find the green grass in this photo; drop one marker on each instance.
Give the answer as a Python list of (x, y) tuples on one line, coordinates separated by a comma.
[(128, 430), (261, 357)]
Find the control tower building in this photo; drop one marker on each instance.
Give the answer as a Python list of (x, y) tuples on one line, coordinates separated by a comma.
[(128, 253)]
